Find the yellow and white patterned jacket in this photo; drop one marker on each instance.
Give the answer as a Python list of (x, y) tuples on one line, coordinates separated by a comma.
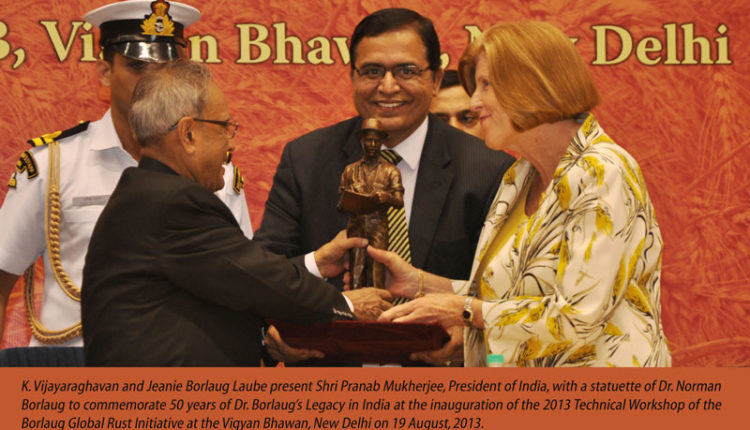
[(577, 284)]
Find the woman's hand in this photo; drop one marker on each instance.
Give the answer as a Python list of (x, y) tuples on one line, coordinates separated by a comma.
[(444, 309), (402, 279)]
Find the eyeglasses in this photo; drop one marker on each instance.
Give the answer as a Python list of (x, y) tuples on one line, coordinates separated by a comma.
[(231, 127), (402, 72), (465, 117)]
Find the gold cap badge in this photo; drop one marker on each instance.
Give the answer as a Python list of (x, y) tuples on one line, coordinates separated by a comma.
[(159, 22)]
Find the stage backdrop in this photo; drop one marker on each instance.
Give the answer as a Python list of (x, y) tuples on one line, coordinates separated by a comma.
[(673, 74)]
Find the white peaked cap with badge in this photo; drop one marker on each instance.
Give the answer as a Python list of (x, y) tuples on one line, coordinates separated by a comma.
[(144, 30)]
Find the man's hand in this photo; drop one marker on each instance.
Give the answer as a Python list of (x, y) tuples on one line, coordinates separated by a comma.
[(451, 354), (369, 302), (280, 351), (331, 257)]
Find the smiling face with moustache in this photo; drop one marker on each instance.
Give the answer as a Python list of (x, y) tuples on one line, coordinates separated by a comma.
[(400, 105)]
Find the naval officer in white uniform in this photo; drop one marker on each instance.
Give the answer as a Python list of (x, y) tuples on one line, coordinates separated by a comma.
[(61, 184)]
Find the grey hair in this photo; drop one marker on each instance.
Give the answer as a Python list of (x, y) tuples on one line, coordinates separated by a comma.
[(164, 95)]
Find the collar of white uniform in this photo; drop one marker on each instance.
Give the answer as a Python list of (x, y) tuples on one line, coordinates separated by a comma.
[(104, 136)]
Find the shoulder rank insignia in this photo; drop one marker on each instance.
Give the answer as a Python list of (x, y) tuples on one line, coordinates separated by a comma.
[(26, 164), (239, 182), (48, 138)]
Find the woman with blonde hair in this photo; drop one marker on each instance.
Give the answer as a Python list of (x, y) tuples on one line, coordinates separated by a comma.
[(567, 268)]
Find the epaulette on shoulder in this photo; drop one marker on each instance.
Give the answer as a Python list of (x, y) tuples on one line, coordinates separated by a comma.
[(48, 138)]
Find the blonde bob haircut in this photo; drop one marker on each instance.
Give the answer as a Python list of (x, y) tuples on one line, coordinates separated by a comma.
[(537, 74)]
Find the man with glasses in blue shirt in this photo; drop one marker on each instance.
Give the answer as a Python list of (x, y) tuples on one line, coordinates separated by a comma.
[(449, 177)]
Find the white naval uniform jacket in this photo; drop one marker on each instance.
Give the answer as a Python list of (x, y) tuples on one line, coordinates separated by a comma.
[(91, 162)]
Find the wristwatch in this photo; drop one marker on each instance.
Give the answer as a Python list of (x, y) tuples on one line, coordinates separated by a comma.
[(468, 313)]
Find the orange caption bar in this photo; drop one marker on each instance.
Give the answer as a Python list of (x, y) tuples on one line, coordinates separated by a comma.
[(380, 398)]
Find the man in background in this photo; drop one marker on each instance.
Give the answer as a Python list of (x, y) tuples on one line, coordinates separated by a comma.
[(86, 163), (449, 177), (451, 104)]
